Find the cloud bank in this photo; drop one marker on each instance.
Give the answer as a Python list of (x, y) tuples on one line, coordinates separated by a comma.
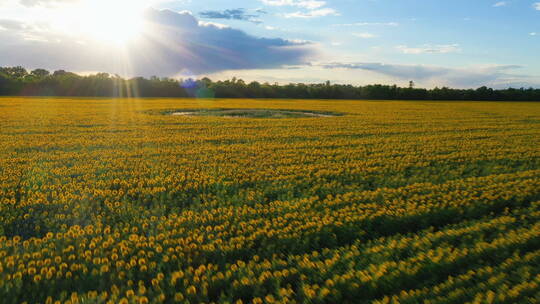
[(466, 77), (172, 43)]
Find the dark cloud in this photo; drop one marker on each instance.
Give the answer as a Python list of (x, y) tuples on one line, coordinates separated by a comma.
[(231, 14), (497, 75), (172, 43), (210, 48)]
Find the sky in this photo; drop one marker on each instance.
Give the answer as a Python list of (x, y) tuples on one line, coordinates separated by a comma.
[(460, 43)]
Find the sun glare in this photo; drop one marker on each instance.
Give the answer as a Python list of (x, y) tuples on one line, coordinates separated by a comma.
[(112, 22)]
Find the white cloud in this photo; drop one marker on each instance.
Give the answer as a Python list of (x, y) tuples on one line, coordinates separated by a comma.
[(368, 24), (364, 35), (214, 24), (312, 8), (313, 13), (430, 49), (533, 34), (31, 3), (308, 4), (500, 3), (537, 6), (12, 25)]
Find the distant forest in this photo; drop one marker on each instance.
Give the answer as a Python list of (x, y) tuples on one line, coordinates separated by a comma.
[(17, 81)]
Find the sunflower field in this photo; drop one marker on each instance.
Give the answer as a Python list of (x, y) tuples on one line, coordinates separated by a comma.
[(117, 201)]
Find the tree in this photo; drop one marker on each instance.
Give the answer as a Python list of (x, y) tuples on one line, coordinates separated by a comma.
[(17, 72), (59, 73), (39, 82), (5, 84), (40, 73)]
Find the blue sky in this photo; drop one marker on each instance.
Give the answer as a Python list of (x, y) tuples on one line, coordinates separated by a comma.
[(435, 43)]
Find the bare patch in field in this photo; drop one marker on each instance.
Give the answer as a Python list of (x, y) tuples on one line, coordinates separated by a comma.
[(251, 113)]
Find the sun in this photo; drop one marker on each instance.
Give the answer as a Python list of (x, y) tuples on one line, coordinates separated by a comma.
[(116, 22), (111, 21)]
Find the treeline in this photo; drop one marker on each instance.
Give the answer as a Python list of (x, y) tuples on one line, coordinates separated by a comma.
[(17, 81)]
